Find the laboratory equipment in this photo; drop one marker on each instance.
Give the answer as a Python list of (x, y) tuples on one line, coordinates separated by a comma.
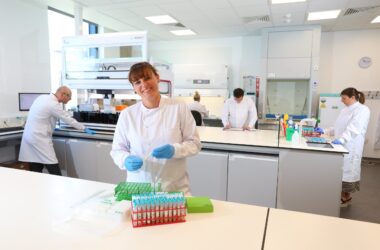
[(316, 139), (199, 205), (330, 106), (158, 208)]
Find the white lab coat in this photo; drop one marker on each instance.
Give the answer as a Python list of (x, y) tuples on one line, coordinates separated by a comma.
[(239, 114), (199, 107), (37, 144), (377, 139), (350, 128), (140, 130)]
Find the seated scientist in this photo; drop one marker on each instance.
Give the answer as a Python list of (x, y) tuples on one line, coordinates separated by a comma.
[(155, 127), (37, 142), (239, 111), (197, 106)]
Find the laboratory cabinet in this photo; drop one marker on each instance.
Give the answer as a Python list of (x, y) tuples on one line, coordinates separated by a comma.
[(59, 145), (238, 177), (252, 179), (88, 159), (310, 181), (289, 54), (208, 174)]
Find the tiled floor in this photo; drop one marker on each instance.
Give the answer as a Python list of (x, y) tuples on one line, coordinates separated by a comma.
[(365, 204)]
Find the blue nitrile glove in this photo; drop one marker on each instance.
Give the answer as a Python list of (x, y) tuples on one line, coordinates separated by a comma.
[(319, 130), (337, 141), (133, 163), (89, 131), (163, 152)]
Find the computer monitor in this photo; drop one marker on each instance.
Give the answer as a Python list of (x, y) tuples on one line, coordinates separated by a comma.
[(25, 100)]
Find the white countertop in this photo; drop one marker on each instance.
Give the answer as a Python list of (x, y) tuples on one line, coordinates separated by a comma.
[(41, 211), (295, 230), (261, 138)]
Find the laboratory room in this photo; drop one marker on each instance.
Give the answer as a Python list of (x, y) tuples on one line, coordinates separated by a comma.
[(190, 124)]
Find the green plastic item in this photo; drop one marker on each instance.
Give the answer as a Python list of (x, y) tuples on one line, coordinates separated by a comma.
[(199, 205), (289, 133), (125, 190)]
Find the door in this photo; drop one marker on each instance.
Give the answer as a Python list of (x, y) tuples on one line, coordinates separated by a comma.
[(106, 169), (208, 174), (60, 151), (81, 159), (252, 179)]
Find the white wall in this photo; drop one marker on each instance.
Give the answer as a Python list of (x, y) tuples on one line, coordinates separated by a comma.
[(24, 53), (241, 54), (340, 53)]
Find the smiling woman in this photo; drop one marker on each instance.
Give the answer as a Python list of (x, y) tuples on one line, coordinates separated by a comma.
[(155, 128)]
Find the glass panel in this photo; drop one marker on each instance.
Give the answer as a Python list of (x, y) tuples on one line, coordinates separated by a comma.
[(96, 59), (287, 96)]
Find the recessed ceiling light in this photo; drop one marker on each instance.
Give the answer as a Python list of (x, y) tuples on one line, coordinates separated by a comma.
[(376, 20), (321, 15), (287, 1), (161, 19), (182, 32)]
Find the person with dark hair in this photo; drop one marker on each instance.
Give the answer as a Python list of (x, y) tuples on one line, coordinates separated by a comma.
[(349, 130), (197, 106), (239, 111), (37, 138), (155, 127)]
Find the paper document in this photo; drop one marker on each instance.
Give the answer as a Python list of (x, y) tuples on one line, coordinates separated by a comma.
[(238, 129)]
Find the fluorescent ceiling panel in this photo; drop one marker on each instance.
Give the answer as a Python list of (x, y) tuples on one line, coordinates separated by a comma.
[(321, 15), (161, 19), (376, 20), (182, 32), (287, 1)]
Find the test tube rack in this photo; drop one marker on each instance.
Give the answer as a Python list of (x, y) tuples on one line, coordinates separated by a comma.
[(157, 209)]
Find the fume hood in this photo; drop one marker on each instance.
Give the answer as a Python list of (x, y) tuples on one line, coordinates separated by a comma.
[(102, 61)]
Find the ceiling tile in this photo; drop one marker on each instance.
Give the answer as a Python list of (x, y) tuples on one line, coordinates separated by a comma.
[(296, 18), (321, 5), (287, 8), (93, 2), (211, 4), (363, 3), (253, 10), (233, 29), (238, 3), (147, 11)]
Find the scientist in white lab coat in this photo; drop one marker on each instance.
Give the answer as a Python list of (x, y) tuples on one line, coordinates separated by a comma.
[(349, 130), (197, 106), (155, 127), (239, 111), (37, 143)]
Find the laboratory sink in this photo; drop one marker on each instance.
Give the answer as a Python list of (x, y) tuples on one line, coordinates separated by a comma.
[(319, 145)]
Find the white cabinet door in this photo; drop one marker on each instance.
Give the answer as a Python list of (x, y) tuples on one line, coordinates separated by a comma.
[(289, 54), (289, 68), (208, 174), (81, 159), (59, 145), (106, 169), (252, 179)]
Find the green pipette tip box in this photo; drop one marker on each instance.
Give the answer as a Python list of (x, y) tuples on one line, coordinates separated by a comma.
[(125, 190), (199, 205)]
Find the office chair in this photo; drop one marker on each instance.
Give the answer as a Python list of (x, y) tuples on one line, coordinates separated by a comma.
[(197, 117)]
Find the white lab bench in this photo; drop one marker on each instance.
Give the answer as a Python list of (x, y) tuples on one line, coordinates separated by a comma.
[(247, 167), (33, 216)]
